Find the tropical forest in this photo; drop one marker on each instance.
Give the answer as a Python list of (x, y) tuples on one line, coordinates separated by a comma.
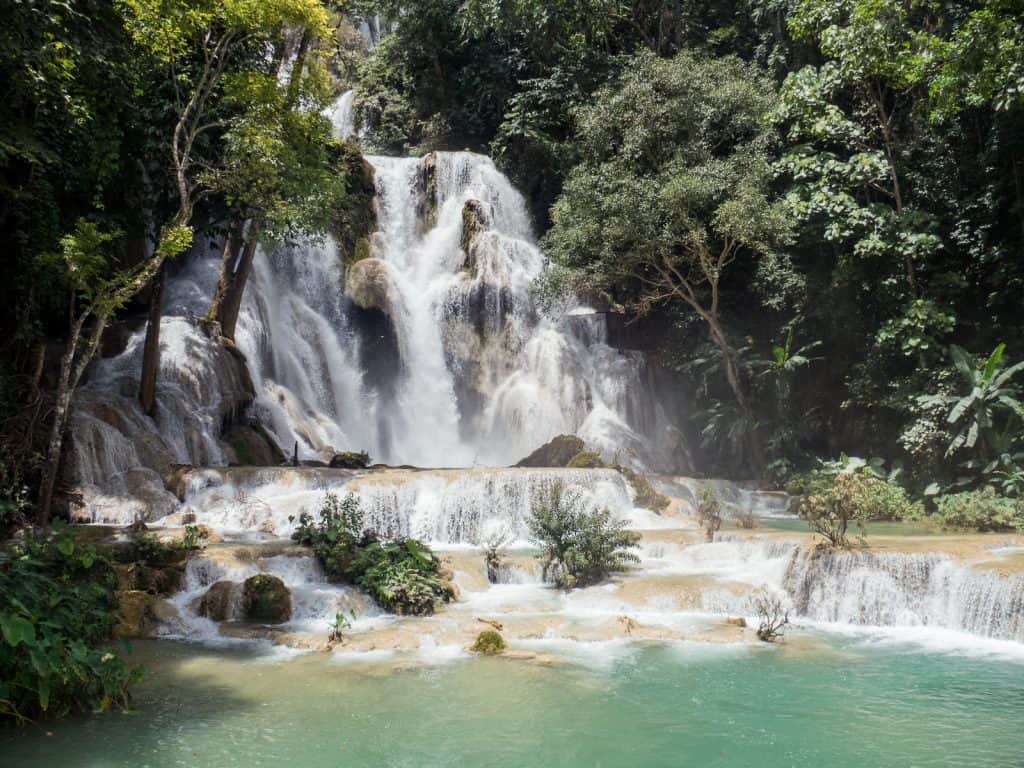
[(519, 383)]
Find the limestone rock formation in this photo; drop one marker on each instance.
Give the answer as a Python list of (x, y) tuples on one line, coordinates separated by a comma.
[(557, 452), (474, 222), (216, 603), (368, 284), (350, 460), (265, 598)]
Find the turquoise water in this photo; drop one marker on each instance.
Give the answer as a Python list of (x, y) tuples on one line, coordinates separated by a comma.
[(875, 528), (833, 704)]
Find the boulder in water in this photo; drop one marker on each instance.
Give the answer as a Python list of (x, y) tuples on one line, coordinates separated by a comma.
[(350, 460), (368, 284), (137, 618), (265, 598), (489, 642), (557, 452), (216, 603)]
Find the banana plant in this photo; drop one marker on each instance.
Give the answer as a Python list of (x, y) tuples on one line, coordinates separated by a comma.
[(989, 416)]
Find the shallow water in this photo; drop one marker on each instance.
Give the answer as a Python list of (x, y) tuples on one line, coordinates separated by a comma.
[(874, 528), (818, 702)]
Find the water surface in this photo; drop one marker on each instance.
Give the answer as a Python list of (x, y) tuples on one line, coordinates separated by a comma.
[(834, 703)]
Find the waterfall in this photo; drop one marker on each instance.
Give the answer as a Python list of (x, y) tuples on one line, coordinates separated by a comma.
[(444, 507), (860, 588), (342, 117), (453, 364), (480, 377), (905, 589)]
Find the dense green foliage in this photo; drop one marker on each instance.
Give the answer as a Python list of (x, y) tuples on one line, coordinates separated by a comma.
[(854, 498), (580, 544), (814, 199), (982, 510), (131, 130), (57, 609), (403, 576)]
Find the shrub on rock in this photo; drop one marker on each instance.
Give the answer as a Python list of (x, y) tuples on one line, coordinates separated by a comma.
[(557, 452), (489, 643), (265, 598)]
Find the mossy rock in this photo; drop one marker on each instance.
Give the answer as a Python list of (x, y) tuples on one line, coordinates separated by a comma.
[(489, 642), (586, 460), (215, 604), (354, 217), (474, 222), (136, 616), (557, 452), (253, 446), (265, 598), (645, 494), (350, 460)]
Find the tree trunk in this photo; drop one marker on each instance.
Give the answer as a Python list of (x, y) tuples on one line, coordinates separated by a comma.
[(151, 349), (72, 365), (234, 273), (755, 458), (227, 280)]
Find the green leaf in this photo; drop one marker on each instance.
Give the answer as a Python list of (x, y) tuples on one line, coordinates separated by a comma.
[(993, 361), (17, 629), (44, 693), (66, 546), (963, 362)]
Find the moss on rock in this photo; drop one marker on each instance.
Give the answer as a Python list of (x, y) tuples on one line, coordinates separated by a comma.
[(350, 460), (355, 218), (557, 452), (489, 642), (586, 460), (646, 495), (265, 598)]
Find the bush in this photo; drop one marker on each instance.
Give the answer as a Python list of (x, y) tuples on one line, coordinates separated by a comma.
[(830, 513), (709, 513), (581, 544), (403, 576), (645, 494), (886, 500), (983, 510), (586, 460), (489, 643), (57, 608), (773, 618), (856, 497)]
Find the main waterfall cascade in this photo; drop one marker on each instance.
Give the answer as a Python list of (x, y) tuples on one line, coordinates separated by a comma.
[(430, 351)]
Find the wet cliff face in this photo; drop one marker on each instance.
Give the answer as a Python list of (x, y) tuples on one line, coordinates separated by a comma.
[(119, 456)]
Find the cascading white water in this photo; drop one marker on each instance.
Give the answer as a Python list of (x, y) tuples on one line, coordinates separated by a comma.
[(482, 377), (905, 589), (479, 377), (442, 507), (342, 117), (878, 589)]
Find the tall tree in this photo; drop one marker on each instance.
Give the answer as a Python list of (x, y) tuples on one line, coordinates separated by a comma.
[(208, 48), (672, 192)]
